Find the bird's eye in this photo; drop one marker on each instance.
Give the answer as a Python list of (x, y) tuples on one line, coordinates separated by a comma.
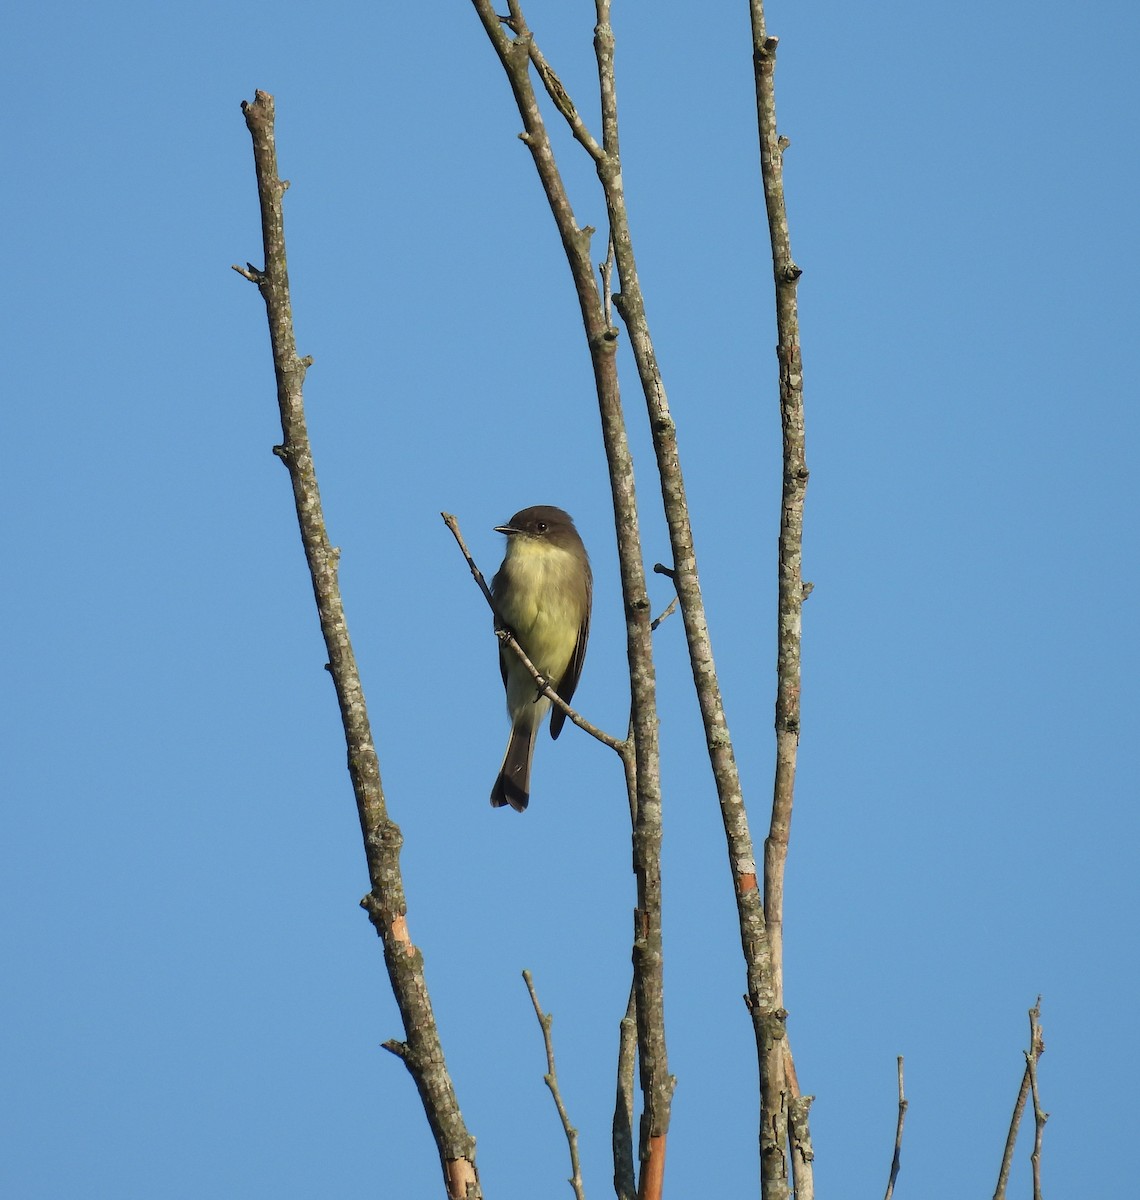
[(542, 527)]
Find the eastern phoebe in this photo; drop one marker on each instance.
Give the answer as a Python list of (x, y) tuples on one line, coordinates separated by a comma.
[(543, 592)]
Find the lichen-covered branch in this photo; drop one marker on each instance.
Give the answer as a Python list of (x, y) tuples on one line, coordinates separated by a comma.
[(1040, 1116), (631, 305), (761, 959), (420, 1050), (792, 589), (514, 44), (625, 1180), (803, 1152), (795, 478)]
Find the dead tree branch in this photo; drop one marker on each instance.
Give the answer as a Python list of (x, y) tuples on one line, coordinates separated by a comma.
[(625, 1181), (1036, 1049), (762, 964), (792, 589), (791, 586), (1028, 1084), (896, 1160), (386, 904), (545, 1020), (514, 44)]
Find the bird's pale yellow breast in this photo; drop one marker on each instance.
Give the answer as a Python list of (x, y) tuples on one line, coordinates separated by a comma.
[(544, 602)]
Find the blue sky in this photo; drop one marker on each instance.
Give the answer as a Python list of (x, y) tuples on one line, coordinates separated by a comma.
[(192, 1003)]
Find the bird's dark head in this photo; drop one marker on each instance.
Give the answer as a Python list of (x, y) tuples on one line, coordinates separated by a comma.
[(540, 521)]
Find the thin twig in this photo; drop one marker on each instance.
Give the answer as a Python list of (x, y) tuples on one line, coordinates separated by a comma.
[(386, 904), (606, 271), (625, 1183), (667, 611), (1036, 1049), (563, 103), (453, 524), (671, 608), (504, 634), (1028, 1084), (895, 1161), (545, 1020)]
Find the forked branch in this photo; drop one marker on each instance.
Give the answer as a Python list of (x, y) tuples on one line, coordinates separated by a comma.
[(780, 1099), (514, 44), (1028, 1086)]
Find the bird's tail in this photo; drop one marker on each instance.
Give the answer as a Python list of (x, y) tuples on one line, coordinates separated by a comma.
[(513, 784)]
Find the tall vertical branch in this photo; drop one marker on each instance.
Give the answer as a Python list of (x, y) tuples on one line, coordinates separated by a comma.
[(791, 590), (514, 44), (631, 305), (625, 1181), (780, 1100), (795, 477), (386, 904), (762, 958)]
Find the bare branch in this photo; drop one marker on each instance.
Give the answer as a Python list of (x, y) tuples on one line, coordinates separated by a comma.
[(606, 272), (630, 304), (545, 1020), (799, 1134), (1036, 1049), (671, 608), (452, 523), (764, 992), (562, 101), (644, 769), (895, 1161), (386, 904), (1011, 1137), (1028, 1083), (792, 589), (625, 1184), (668, 611), (504, 634)]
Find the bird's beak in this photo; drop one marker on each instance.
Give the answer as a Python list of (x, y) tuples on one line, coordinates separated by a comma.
[(508, 529)]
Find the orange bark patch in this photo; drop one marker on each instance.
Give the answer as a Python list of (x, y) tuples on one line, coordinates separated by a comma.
[(460, 1172), (401, 934)]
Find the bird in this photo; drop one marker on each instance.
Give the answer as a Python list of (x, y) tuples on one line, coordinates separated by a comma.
[(543, 593)]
